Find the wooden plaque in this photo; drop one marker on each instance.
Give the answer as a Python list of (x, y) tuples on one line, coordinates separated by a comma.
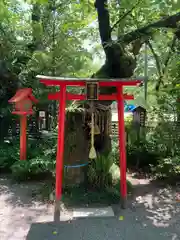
[(92, 90)]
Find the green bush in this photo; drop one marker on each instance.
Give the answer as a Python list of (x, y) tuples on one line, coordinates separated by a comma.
[(40, 147), (36, 168), (115, 151), (141, 155), (9, 154), (167, 168), (21, 170), (99, 172)]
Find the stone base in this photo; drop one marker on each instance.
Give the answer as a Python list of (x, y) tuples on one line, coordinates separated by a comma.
[(93, 212)]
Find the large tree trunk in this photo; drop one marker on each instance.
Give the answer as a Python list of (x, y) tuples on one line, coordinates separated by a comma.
[(76, 148), (118, 64), (77, 144)]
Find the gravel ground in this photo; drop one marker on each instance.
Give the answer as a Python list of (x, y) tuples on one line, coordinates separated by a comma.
[(151, 214)]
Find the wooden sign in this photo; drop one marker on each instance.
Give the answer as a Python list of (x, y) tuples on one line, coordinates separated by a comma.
[(139, 116)]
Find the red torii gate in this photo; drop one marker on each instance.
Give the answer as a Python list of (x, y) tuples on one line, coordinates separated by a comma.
[(62, 96)]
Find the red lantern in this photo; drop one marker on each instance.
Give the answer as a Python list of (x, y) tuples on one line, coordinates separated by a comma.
[(23, 102)]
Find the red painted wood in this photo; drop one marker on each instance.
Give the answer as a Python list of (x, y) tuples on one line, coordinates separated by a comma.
[(116, 84), (33, 99), (22, 113), (23, 127), (62, 96), (53, 96), (60, 142), (83, 83), (114, 97), (128, 97), (59, 83), (70, 96), (20, 95), (21, 99), (122, 147)]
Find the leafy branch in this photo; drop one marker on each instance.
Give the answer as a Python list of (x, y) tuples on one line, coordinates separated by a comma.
[(156, 57), (125, 15), (168, 22), (166, 62), (169, 54), (162, 67)]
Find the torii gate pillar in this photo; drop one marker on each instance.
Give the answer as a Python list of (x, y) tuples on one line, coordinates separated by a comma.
[(62, 96)]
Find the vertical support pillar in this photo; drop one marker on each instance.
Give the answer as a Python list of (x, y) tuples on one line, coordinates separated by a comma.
[(122, 146), (60, 150), (23, 126)]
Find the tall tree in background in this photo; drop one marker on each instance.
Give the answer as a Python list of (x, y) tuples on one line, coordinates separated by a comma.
[(121, 54), (121, 61)]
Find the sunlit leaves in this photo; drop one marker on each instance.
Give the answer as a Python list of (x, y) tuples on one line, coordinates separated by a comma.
[(4, 13), (37, 1)]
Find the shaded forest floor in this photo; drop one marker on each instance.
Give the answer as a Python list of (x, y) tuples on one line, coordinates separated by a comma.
[(151, 204)]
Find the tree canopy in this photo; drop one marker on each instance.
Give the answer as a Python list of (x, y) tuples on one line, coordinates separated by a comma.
[(62, 37)]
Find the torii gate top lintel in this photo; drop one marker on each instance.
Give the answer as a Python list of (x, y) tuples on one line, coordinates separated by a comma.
[(64, 95), (55, 81)]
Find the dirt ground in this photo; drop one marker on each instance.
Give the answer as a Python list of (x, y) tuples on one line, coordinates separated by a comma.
[(152, 207)]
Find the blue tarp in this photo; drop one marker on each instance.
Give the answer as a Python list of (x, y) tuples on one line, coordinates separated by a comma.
[(128, 107)]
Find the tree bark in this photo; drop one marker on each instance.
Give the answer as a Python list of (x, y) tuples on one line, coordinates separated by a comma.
[(119, 63)]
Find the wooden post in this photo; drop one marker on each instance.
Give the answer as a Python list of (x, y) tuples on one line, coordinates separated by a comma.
[(122, 146), (60, 150), (23, 126), (63, 82)]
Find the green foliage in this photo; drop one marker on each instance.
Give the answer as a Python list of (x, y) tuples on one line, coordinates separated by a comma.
[(99, 172), (40, 167), (115, 150), (9, 154), (141, 155), (168, 168), (159, 139), (40, 161), (55, 44), (20, 170), (78, 196)]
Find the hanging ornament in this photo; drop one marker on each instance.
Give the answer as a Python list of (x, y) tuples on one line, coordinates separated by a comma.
[(92, 153), (100, 122), (107, 122), (102, 114)]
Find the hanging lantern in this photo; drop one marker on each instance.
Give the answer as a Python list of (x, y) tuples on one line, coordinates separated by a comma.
[(23, 101)]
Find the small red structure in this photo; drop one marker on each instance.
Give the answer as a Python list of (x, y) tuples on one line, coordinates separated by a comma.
[(89, 85), (23, 102)]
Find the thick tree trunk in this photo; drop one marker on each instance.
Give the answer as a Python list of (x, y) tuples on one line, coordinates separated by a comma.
[(77, 144), (76, 149), (118, 64)]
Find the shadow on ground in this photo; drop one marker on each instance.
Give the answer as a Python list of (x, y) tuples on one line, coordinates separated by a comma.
[(132, 227), (152, 213), (19, 209)]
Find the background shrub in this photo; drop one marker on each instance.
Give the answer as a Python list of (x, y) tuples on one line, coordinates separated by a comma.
[(9, 154), (168, 168), (99, 175)]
